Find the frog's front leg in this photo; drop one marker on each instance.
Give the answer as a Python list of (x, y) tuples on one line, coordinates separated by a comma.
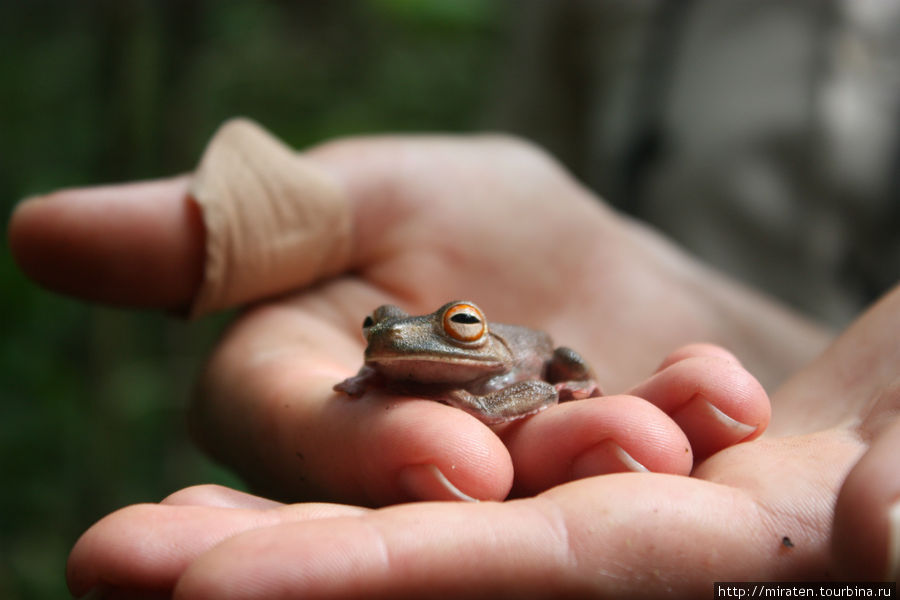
[(515, 401), (573, 377), (366, 378)]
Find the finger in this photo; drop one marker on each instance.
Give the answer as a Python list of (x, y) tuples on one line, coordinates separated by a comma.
[(253, 221), (712, 398), (148, 546), (434, 551), (624, 534), (695, 351), (866, 540), (594, 437), (858, 366), (138, 244), (267, 408), (144, 244), (599, 539), (220, 496)]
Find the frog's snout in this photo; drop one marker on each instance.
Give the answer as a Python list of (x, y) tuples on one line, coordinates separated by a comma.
[(386, 338)]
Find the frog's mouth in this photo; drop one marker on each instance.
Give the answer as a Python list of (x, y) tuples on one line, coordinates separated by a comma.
[(424, 369)]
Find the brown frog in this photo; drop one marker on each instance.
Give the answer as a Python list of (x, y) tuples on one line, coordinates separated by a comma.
[(495, 372)]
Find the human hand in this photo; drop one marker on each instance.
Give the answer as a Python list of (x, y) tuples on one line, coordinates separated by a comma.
[(434, 218), (63, 243), (759, 511)]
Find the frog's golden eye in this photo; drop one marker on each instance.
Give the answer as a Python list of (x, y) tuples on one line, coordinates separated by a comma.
[(464, 322)]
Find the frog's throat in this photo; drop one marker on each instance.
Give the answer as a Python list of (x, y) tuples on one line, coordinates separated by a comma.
[(384, 358), (434, 370)]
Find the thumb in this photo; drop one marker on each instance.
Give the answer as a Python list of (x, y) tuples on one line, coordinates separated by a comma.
[(866, 540), (256, 219), (138, 244)]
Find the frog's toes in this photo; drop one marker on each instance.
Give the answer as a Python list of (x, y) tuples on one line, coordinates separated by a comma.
[(350, 386), (578, 390)]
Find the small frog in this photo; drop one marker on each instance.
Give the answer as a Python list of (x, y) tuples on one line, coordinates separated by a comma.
[(495, 372)]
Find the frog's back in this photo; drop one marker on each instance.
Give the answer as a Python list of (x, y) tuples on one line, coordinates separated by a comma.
[(528, 346)]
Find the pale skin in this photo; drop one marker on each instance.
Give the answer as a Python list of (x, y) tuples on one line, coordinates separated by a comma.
[(620, 294)]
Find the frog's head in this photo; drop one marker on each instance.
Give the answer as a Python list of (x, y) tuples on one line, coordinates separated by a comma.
[(452, 344)]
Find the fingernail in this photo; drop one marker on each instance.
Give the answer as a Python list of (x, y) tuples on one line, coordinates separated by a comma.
[(605, 457), (893, 563), (742, 429), (427, 482)]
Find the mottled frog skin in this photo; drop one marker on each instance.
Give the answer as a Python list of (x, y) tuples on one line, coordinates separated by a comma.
[(495, 372)]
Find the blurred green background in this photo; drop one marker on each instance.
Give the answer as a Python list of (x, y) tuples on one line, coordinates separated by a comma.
[(93, 398), (705, 119)]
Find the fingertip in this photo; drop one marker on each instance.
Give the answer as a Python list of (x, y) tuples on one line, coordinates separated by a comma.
[(220, 497), (444, 454), (101, 550), (711, 428), (24, 233), (138, 244), (597, 436), (695, 350), (712, 397)]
